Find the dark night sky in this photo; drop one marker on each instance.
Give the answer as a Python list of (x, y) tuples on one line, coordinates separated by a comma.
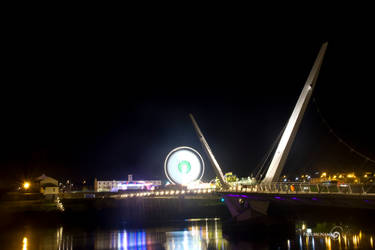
[(84, 100)]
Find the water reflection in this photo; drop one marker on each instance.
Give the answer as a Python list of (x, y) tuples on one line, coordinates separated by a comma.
[(201, 234), (24, 242), (331, 236), (197, 235), (191, 234)]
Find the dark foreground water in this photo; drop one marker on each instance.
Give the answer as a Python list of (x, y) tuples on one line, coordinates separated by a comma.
[(202, 233)]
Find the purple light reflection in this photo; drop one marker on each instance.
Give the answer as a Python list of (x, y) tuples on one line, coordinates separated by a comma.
[(233, 195), (242, 196)]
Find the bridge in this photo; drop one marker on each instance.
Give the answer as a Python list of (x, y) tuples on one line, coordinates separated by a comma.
[(250, 201), (351, 195), (366, 191), (253, 201), (246, 202)]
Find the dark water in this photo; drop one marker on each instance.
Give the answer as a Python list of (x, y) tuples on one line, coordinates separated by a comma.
[(200, 233)]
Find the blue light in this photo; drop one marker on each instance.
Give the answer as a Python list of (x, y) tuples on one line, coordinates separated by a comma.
[(222, 199)]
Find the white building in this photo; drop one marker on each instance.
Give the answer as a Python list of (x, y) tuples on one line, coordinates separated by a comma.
[(115, 186), (50, 190), (48, 186)]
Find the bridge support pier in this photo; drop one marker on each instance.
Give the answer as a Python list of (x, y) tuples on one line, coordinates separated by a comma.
[(244, 209)]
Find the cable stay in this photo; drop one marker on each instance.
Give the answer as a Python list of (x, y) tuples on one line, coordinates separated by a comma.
[(347, 145), (266, 157)]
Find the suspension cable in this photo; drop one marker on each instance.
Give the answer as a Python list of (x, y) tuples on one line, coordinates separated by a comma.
[(367, 158)]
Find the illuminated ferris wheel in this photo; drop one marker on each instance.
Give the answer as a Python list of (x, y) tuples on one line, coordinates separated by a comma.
[(184, 165)]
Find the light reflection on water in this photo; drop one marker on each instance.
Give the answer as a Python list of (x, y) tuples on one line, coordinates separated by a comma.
[(331, 236), (196, 234)]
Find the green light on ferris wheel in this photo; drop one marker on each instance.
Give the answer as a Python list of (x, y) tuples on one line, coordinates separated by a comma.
[(184, 167)]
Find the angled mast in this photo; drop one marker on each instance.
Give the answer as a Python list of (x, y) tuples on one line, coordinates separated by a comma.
[(210, 155), (285, 143)]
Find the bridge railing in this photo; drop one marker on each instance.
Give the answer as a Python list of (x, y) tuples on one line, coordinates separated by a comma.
[(165, 192), (301, 187), (273, 188)]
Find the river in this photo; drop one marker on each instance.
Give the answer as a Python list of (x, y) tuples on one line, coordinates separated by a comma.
[(199, 233)]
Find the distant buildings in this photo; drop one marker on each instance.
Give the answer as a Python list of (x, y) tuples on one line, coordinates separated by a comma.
[(130, 184)]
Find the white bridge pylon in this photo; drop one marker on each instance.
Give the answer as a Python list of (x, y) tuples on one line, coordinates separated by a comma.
[(211, 157), (287, 138), (286, 141)]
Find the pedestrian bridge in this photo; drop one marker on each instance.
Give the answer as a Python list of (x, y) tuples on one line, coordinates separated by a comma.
[(246, 202), (317, 194), (357, 196)]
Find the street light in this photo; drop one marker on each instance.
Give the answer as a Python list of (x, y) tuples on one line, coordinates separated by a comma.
[(26, 185)]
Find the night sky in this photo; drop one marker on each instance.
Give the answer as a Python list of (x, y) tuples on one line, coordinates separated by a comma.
[(86, 100)]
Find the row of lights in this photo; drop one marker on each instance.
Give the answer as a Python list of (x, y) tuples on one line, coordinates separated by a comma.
[(240, 189), (171, 192), (352, 175)]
